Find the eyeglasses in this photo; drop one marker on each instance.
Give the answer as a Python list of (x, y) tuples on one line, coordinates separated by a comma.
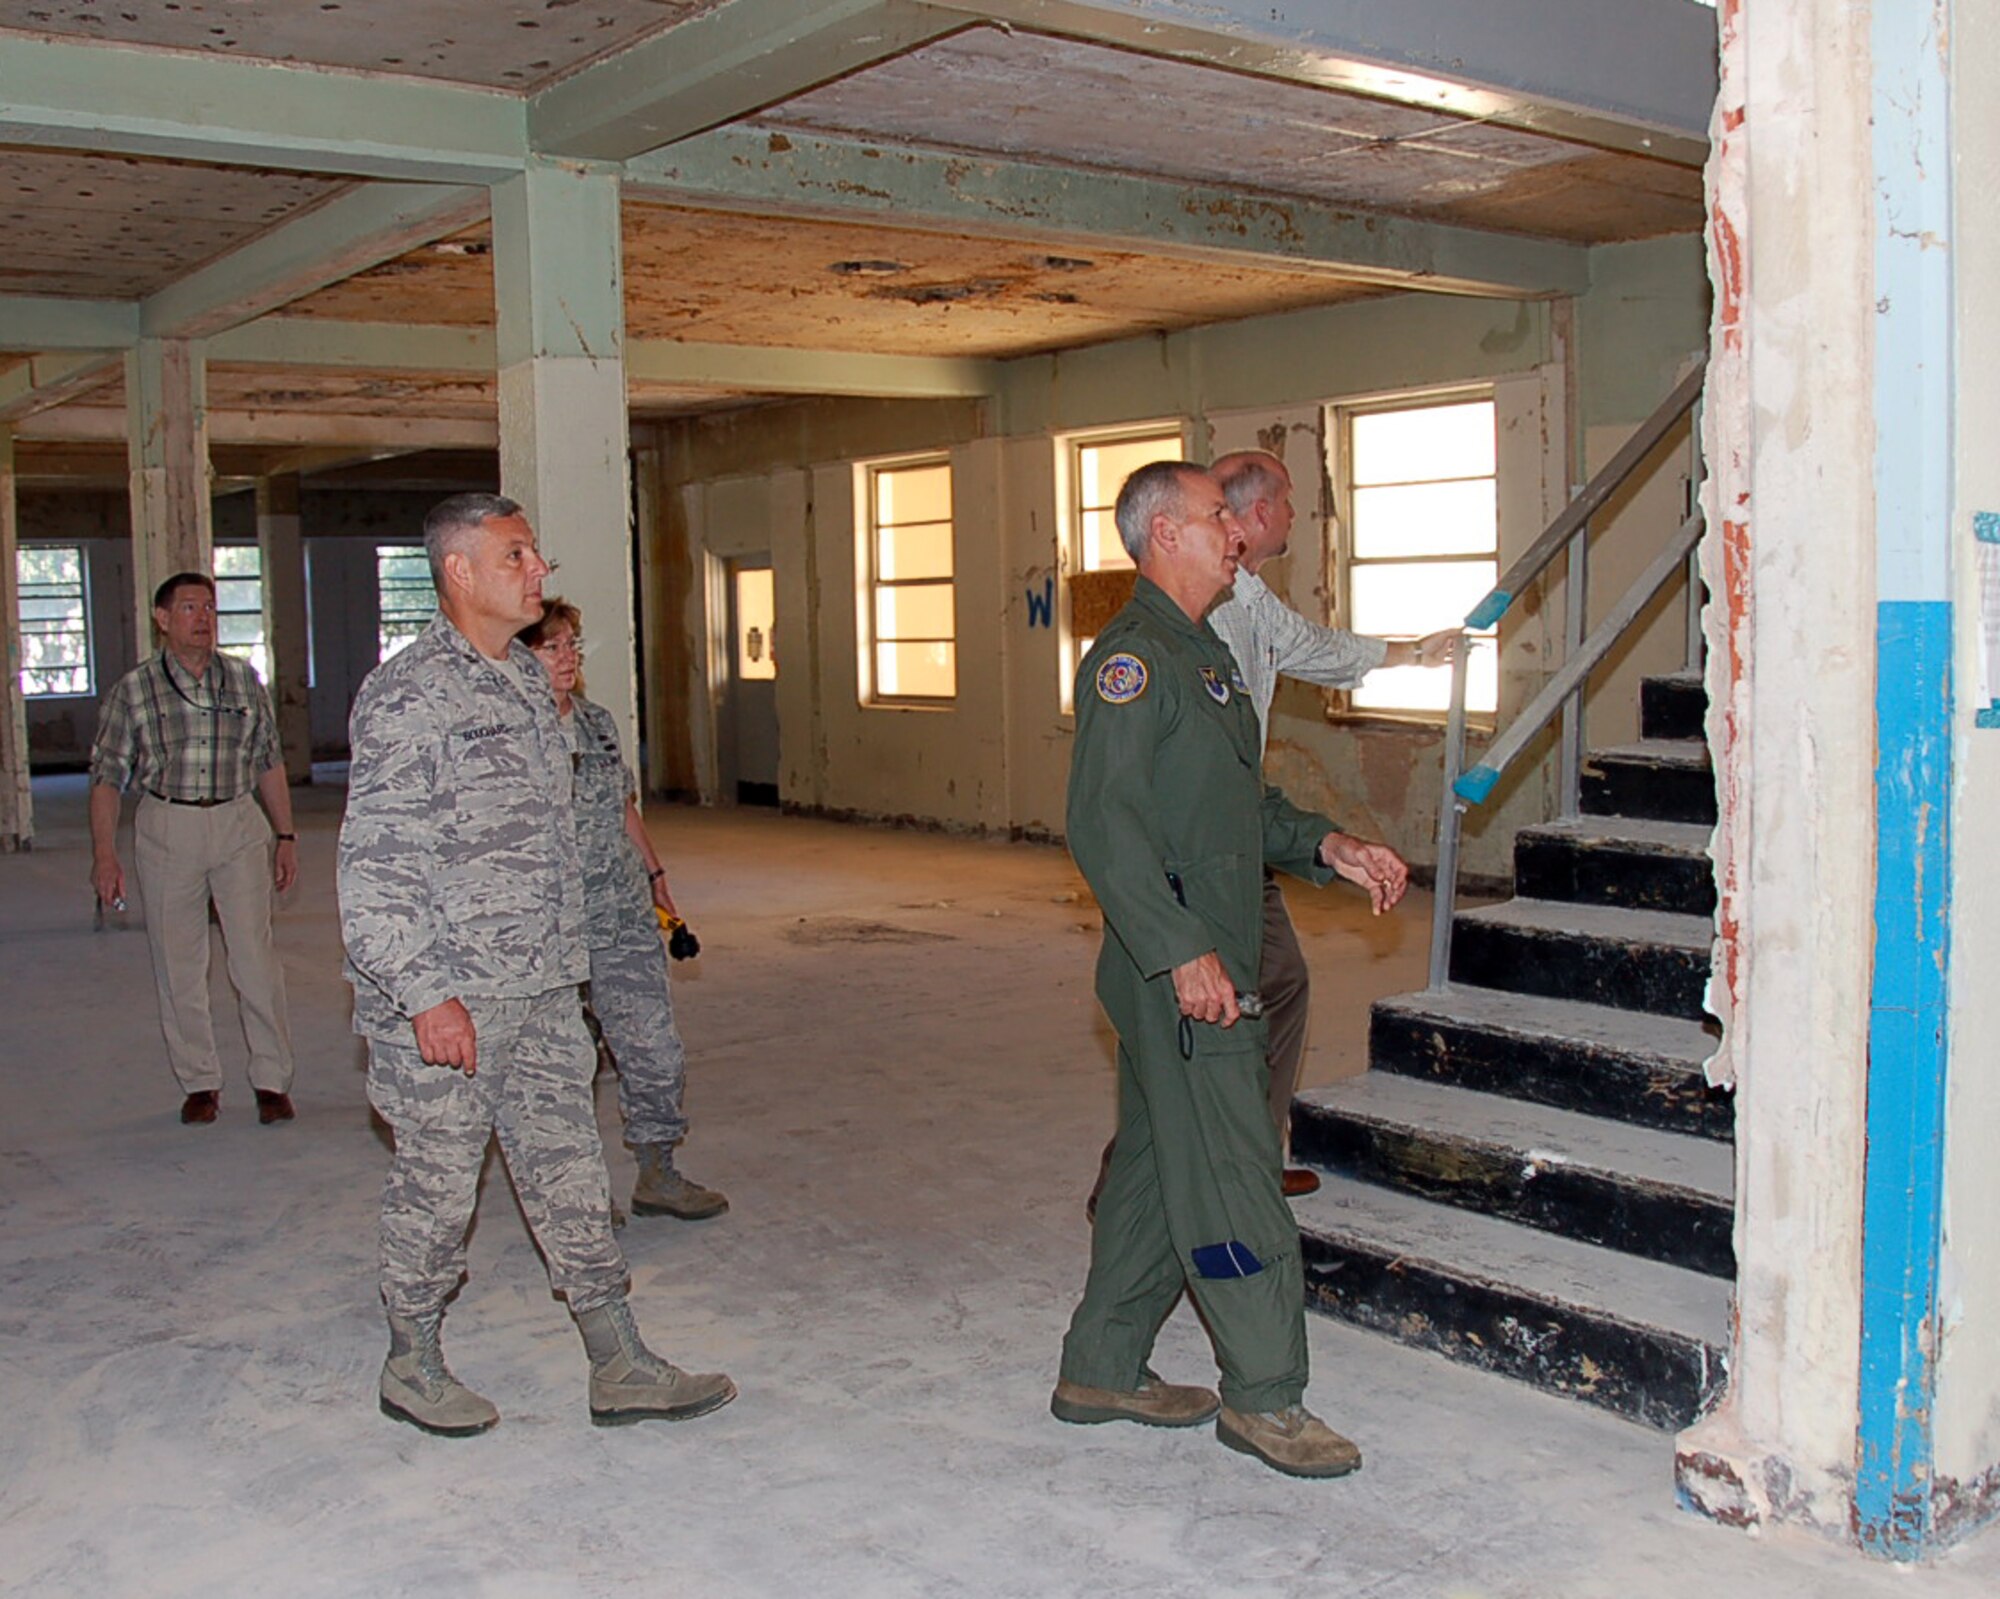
[(568, 644)]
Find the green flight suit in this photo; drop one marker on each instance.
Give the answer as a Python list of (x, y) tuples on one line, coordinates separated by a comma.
[(1171, 824)]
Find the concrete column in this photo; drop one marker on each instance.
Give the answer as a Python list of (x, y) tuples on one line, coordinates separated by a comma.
[(564, 445), (17, 805), (166, 406), (655, 616), (283, 548)]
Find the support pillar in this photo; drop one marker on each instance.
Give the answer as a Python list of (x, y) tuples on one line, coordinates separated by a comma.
[(655, 615), (166, 406), (281, 544), (17, 805), (564, 442)]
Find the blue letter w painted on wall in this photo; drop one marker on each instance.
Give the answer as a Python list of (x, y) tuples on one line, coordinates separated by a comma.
[(1042, 606)]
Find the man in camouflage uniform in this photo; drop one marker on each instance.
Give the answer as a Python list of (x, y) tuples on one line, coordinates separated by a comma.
[(462, 910), (1170, 822)]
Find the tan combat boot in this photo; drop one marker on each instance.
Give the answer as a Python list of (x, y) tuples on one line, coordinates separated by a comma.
[(419, 1388), (1152, 1404), (629, 1383), (662, 1191), (1293, 1441)]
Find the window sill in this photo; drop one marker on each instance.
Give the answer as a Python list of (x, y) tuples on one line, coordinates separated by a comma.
[(911, 705)]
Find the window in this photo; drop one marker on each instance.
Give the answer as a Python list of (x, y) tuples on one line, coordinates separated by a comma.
[(55, 620), (406, 598), (239, 605), (1091, 470), (912, 618), (1422, 514)]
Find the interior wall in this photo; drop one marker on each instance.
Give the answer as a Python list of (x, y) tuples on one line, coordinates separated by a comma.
[(342, 529), (997, 759)]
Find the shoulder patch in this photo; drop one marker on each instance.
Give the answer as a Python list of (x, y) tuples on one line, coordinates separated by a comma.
[(1121, 678), (1217, 689)]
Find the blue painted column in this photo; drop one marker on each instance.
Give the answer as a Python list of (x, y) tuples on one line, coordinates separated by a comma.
[(1904, 1178)]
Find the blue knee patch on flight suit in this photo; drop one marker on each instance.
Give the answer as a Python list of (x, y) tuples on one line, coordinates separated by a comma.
[(1233, 1259)]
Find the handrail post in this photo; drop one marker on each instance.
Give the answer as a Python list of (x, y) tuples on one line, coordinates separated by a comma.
[(1576, 603), (1450, 811)]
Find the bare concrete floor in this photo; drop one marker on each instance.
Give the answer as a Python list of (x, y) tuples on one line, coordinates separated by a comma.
[(900, 1078)]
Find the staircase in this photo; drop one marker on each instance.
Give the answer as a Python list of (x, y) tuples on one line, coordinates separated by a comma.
[(1535, 1178)]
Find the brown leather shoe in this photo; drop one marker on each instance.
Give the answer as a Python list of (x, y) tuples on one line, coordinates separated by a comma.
[(273, 1107), (1297, 1182), (1293, 1441), (1152, 1404), (200, 1106)]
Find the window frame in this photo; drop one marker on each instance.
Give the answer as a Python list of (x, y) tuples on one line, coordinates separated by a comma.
[(1069, 448), (868, 581), (89, 664), (243, 652), (1340, 560)]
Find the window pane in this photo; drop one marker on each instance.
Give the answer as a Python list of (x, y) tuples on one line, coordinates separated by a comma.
[(238, 560), (1103, 550), (1103, 468), (1426, 519), (404, 593), (756, 616), (238, 630), (919, 611), (1428, 688), (55, 633), (1422, 445), (921, 671), (239, 594), (1396, 601), (920, 551), (913, 494)]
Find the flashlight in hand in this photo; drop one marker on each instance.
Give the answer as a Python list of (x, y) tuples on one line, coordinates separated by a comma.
[(681, 942)]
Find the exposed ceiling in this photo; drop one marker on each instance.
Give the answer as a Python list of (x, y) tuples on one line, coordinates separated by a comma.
[(499, 44), (832, 267)]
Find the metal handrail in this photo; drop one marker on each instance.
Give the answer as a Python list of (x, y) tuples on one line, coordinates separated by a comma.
[(1564, 691)]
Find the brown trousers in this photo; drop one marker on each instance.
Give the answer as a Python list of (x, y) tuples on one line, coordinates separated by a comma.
[(1286, 985)]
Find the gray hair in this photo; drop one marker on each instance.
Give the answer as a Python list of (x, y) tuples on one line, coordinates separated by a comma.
[(1248, 476), (451, 521), (1153, 490)]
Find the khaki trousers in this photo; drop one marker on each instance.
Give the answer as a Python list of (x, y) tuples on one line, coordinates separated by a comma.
[(186, 856)]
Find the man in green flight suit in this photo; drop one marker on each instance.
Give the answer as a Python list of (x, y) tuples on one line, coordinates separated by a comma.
[(1171, 824)]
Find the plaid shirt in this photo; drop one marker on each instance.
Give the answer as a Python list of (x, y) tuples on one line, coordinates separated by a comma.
[(184, 738)]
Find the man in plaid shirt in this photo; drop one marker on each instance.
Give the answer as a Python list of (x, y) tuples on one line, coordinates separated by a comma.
[(192, 729)]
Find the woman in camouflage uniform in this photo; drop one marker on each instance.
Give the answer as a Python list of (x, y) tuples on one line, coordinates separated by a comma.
[(623, 883)]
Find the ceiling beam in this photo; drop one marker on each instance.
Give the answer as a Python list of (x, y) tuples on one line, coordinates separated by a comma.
[(374, 346), (349, 233), (788, 173), (43, 381), (110, 99), (46, 322), (1635, 75), (763, 369), (723, 64), (78, 424)]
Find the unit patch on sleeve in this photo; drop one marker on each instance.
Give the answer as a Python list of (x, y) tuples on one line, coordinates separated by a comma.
[(1121, 679), (1218, 690)]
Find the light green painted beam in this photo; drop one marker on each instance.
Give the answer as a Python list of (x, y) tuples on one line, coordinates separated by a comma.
[(76, 424), (43, 381), (46, 322), (726, 63), (758, 369), (105, 98), (376, 346), (1637, 75), (361, 228), (764, 171)]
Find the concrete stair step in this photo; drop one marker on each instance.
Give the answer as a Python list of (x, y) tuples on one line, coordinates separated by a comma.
[(1669, 780), (1632, 1066), (1603, 955), (1630, 861), (1664, 1196), (1673, 706), (1633, 1336)]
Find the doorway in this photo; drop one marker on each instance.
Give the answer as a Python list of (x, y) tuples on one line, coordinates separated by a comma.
[(749, 741)]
